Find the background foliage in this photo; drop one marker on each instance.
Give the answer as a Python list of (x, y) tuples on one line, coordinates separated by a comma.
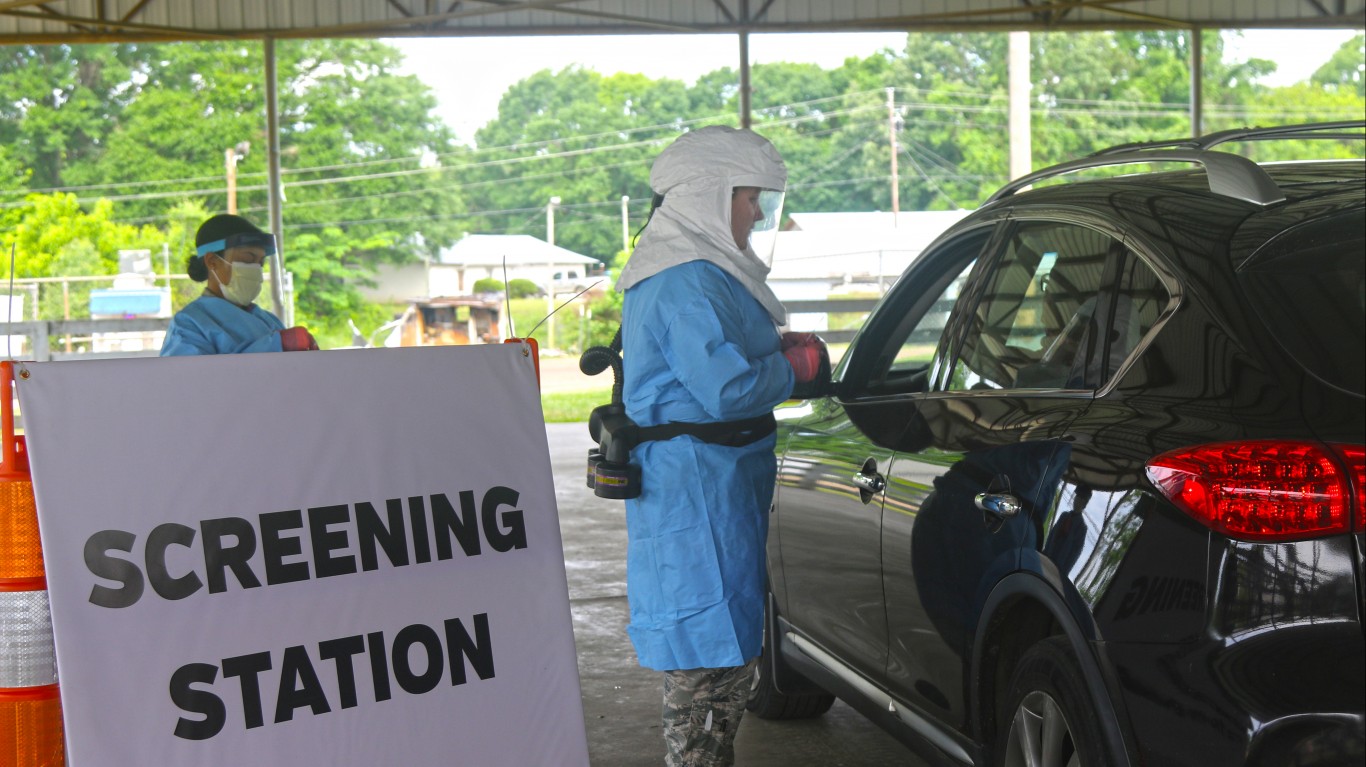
[(108, 147)]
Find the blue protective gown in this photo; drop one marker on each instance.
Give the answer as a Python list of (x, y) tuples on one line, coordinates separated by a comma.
[(213, 325), (698, 348)]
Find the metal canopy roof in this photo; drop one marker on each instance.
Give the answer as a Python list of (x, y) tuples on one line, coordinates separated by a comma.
[(59, 21)]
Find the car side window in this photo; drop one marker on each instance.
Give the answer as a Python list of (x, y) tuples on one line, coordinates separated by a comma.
[(1037, 324), (920, 308), (917, 350), (1140, 299)]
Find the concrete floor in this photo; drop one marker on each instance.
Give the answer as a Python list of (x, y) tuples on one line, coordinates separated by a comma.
[(620, 699)]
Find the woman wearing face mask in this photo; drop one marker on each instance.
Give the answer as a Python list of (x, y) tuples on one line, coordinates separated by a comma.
[(230, 255)]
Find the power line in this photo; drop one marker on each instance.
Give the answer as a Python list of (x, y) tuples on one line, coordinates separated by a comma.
[(462, 153)]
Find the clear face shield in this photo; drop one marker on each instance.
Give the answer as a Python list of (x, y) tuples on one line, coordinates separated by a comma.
[(263, 240), (764, 236)]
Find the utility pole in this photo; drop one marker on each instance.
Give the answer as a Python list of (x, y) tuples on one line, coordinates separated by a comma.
[(230, 163), (625, 225), (891, 133), (230, 157), (550, 275)]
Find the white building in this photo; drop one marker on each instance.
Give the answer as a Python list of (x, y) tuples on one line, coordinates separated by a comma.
[(479, 256), (829, 254)]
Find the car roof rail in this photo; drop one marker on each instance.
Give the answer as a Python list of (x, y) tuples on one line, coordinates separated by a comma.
[(1344, 129), (1347, 129), (1229, 175)]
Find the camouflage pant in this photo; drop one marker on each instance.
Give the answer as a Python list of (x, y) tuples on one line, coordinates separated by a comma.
[(702, 710)]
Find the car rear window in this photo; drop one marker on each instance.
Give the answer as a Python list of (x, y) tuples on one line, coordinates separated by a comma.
[(1309, 286)]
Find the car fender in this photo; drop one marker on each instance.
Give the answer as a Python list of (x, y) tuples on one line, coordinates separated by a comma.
[(1088, 648)]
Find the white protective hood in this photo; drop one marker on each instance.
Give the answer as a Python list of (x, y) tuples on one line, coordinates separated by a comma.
[(696, 174)]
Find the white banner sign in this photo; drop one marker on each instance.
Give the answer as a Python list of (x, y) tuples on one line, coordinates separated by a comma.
[(335, 558)]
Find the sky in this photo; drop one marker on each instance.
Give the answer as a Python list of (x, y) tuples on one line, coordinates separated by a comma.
[(468, 83)]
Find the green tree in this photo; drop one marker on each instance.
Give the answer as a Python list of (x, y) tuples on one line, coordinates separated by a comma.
[(578, 136), (1346, 70), (365, 160), (76, 257), (61, 102), (47, 223), (138, 133), (13, 175)]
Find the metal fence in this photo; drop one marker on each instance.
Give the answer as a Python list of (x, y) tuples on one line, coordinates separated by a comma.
[(859, 306), (46, 340), (80, 339)]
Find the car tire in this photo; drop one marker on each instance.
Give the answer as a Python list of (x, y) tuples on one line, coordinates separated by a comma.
[(767, 702), (1048, 719)]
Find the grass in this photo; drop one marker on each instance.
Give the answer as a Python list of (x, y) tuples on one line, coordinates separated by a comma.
[(573, 407)]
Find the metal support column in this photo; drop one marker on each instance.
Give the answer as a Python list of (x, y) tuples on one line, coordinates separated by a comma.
[(1197, 82), (744, 80), (1018, 81), (276, 191)]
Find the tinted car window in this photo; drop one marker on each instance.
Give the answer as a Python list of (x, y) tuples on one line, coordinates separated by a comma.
[(1309, 287), (1140, 300), (917, 350), (898, 354), (1038, 320)]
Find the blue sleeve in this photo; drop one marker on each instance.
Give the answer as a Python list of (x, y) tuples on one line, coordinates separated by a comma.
[(715, 369), (184, 339), (269, 342), (187, 336)]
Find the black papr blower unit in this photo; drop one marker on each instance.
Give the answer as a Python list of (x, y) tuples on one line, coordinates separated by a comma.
[(610, 471)]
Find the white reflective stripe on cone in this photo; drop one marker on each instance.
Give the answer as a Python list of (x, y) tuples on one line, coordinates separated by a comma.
[(27, 654)]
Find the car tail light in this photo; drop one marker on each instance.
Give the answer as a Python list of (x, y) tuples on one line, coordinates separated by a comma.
[(30, 706), (1265, 491)]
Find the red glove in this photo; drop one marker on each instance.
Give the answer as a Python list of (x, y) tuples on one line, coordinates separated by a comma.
[(805, 352), (791, 339), (297, 339)]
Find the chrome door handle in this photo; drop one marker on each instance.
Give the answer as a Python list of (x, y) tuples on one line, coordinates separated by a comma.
[(1000, 505), (872, 484)]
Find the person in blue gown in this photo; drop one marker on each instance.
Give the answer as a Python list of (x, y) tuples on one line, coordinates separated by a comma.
[(701, 345), (230, 256)]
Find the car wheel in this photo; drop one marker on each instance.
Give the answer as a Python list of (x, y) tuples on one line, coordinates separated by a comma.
[(767, 702), (1046, 720)]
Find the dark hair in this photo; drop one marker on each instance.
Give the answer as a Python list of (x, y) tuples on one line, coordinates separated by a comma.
[(215, 228), (195, 267), (223, 226)]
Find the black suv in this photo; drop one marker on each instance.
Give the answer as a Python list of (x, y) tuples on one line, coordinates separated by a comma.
[(1086, 488)]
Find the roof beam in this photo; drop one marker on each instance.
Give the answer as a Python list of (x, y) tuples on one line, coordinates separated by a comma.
[(127, 17), (1048, 12), (99, 20), (51, 13), (150, 30), (720, 6), (1158, 20), (432, 22), (1046, 16)]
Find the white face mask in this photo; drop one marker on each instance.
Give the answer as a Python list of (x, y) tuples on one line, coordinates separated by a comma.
[(244, 283)]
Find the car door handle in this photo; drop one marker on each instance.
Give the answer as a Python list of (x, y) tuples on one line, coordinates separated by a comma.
[(999, 505), (872, 483)]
